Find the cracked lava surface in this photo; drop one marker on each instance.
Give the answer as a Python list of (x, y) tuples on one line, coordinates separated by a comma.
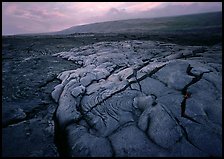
[(140, 98)]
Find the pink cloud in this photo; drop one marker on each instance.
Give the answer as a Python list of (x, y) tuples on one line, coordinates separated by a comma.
[(10, 9), (143, 6), (31, 11), (96, 6)]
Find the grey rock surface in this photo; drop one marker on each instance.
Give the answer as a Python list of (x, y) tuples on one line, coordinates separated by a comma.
[(141, 98)]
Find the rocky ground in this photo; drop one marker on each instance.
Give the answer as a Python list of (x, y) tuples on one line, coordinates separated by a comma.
[(121, 98), (29, 74), (140, 98)]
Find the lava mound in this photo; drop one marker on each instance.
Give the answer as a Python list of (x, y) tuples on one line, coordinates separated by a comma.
[(140, 98)]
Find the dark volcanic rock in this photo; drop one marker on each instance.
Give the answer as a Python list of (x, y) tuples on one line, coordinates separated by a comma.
[(140, 98), (28, 78), (12, 114), (29, 139)]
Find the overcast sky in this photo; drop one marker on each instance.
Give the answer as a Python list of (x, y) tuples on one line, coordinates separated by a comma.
[(37, 17)]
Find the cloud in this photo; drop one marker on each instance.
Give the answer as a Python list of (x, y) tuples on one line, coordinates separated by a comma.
[(30, 17), (143, 6), (32, 12), (115, 14)]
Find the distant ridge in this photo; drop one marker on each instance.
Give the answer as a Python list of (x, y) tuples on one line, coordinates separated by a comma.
[(182, 22), (145, 25)]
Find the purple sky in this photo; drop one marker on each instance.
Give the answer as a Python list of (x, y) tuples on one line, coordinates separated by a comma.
[(37, 17)]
